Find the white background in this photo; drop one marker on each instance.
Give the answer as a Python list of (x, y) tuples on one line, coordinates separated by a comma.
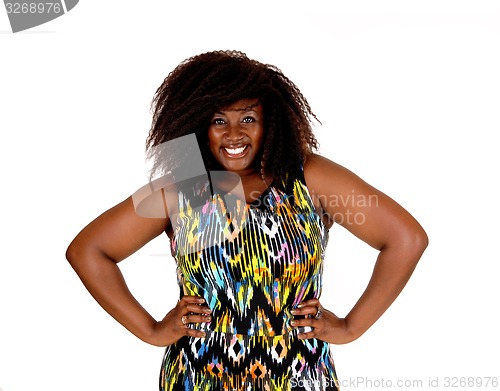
[(408, 95)]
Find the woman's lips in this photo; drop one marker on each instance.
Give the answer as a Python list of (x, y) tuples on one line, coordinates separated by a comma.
[(235, 152)]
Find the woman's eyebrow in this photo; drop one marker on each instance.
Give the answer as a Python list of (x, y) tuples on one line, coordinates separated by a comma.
[(249, 108), (243, 109)]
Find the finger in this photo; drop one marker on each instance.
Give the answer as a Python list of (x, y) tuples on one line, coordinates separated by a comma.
[(192, 300), (307, 310), (308, 335), (198, 318), (317, 324), (312, 302), (195, 333), (304, 322), (194, 308)]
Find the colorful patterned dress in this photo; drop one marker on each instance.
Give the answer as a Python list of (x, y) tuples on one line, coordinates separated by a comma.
[(251, 277)]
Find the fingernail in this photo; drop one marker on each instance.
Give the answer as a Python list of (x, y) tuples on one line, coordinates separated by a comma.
[(203, 335), (201, 300), (294, 312), (292, 323), (300, 305)]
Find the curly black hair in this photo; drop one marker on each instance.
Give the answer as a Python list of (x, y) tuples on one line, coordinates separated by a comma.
[(201, 85)]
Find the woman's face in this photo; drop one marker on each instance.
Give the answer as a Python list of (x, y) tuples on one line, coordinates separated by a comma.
[(236, 136)]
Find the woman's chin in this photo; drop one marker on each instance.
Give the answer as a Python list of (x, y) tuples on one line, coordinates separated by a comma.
[(241, 165)]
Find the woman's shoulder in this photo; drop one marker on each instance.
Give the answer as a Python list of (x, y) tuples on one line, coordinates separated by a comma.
[(327, 179), (319, 170)]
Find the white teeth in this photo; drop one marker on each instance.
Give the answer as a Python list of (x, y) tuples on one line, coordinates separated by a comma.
[(235, 151)]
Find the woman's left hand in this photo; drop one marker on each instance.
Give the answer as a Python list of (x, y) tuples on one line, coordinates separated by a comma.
[(327, 327)]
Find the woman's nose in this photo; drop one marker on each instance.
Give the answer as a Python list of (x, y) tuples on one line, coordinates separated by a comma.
[(235, 132)]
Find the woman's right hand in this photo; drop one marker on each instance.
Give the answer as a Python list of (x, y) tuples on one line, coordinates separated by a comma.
[(171, 328)]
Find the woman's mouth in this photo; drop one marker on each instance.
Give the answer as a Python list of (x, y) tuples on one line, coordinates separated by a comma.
[(235, 152)]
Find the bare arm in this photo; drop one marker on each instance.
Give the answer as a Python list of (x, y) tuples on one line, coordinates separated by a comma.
[(381, 223), (94, 255)]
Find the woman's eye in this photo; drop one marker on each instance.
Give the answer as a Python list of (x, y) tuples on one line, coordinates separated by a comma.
[(218, 121), (248, 120)]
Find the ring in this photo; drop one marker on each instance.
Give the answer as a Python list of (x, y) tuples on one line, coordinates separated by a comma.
[(319, 313), (184, 320)]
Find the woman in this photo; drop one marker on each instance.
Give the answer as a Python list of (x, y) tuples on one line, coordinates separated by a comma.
[(248, 234)]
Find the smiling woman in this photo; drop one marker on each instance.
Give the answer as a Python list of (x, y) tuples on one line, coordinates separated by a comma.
[(236, 136), (250, 275)]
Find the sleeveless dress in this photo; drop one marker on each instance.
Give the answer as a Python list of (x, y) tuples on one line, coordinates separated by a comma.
[(251, 277)]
